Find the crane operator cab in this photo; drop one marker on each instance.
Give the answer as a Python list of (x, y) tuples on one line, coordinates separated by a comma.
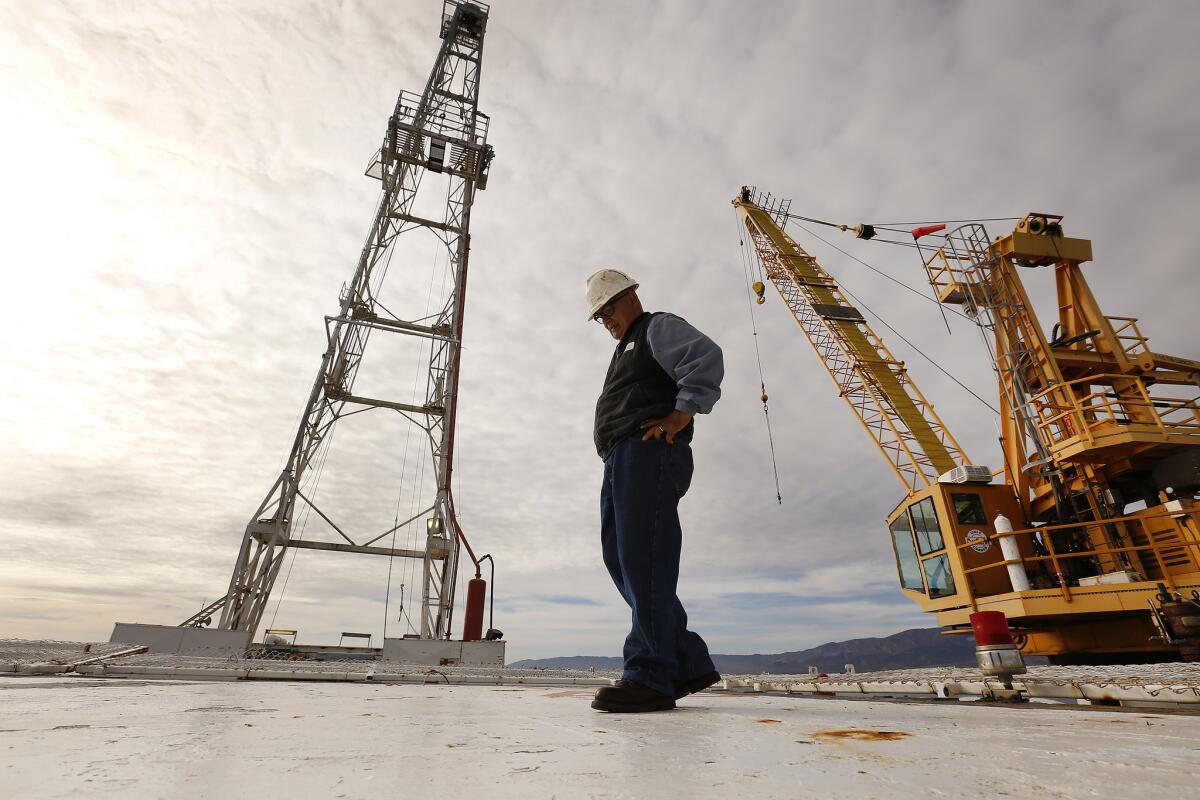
[(966, 547), (946, 530)]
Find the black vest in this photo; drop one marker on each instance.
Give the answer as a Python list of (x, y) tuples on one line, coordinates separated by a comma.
[(636, 389)]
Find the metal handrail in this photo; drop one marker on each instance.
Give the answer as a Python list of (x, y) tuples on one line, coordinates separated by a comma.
[(1188, 540), (1130, 323), (1065, 422)]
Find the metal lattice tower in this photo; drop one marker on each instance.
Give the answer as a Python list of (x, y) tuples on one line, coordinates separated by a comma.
[(439, 131), (997, 302), (870, 379)]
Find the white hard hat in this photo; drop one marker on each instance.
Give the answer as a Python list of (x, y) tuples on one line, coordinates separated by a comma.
[(603, 285)]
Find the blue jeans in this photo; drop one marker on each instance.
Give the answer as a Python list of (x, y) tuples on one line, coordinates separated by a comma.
[(641, 538)]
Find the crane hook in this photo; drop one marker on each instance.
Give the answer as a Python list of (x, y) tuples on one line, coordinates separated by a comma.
[(759, 290)]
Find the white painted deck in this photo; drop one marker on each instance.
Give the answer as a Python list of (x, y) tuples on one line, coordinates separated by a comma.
[(72, 736)]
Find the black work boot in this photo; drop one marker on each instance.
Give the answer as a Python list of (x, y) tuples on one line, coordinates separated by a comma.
[(696, 684), (631, 697)]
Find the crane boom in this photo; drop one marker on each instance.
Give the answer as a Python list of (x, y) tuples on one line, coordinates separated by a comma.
[(872, 381)]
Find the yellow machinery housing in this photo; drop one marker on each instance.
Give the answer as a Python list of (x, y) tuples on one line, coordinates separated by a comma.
[(1100, 438)]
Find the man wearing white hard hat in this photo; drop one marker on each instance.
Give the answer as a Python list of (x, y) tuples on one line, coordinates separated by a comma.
[(663, 372)]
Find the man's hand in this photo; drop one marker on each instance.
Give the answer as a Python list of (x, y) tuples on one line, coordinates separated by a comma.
[(666, 426)]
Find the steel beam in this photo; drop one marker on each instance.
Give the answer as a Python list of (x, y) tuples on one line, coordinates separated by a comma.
[(425, 223), (370, 401), (338, 547)]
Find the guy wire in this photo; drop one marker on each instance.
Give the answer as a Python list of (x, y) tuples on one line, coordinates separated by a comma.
[(860, 304), (884, 322), (900, 283)]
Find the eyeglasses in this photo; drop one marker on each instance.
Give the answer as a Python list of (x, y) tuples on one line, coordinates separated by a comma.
[(608, 308)]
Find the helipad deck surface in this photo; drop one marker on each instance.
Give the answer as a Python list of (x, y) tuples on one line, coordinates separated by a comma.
[(80, 737), (87, 720)]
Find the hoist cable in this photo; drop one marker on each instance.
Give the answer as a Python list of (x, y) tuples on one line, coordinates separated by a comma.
[(414, 490), (312, 484), (860, 304), (814, 221), (897, 243), (929, 277), (387, 596), (762, 384), (746, 270), (947, 221), (905, 231), (900, 283), (898, 227), (325, 445)]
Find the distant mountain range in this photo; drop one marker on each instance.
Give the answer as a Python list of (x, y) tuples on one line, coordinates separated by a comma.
[(918, 647)]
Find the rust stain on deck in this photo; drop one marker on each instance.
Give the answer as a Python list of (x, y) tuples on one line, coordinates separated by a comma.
[(862, 735)]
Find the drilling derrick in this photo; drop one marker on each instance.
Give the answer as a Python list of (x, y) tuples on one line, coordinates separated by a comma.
[(439, 131)]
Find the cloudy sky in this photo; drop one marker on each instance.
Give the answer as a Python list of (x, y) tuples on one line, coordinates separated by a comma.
[(183, 199)]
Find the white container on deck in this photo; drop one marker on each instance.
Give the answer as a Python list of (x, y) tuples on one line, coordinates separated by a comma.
[(1012, 554)]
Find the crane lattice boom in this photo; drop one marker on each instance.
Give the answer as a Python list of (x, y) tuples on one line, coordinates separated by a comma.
[(872, 381)]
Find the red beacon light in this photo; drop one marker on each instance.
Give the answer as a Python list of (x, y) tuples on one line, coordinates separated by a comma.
[(991, 628), (995, 652)]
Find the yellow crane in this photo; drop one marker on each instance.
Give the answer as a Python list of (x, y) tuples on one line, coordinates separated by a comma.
[(1090, 543)]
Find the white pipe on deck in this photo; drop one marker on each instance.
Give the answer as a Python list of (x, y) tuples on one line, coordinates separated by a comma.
[(1012, 554)]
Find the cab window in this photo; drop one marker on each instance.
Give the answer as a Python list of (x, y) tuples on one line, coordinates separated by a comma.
[(968, 509), (906, 555), (937, 575), (925, 526)]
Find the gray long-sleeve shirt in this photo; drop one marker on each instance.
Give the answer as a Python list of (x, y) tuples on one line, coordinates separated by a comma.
[(691, 358)]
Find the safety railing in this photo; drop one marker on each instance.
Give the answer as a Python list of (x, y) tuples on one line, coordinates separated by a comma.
[(1130, 337), (1100, 410), (450, 120), (1062, 553), (948, 273)]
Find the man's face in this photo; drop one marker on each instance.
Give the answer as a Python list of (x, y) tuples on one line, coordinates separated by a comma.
[(624, 308)]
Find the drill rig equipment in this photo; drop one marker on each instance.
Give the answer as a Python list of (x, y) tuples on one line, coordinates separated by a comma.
[(873, 382), (1098, 516), (438, 131)]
